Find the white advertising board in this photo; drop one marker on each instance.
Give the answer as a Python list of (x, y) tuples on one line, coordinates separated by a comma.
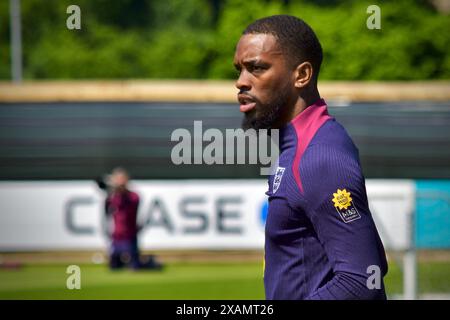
[(197, 214)]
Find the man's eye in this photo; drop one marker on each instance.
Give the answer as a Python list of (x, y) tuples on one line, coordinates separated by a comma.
[(257, 68)]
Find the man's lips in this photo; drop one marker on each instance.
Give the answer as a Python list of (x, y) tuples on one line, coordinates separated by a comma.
[(247, 107), (246, 103)]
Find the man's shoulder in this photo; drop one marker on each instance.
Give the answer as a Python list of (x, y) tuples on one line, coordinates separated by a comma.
[(330, 155), (330, 152), (331, 142), (333, 134)]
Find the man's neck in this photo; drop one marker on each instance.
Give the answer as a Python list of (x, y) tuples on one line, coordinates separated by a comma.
[(121, 191), (309, 98), (304, 100)]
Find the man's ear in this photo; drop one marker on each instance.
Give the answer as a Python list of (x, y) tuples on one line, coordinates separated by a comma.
[(303, 74)]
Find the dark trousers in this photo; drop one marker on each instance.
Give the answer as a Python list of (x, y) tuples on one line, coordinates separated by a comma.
[(124, 253)]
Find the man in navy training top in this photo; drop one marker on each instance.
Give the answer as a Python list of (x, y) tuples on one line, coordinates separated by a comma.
[(321, 241)]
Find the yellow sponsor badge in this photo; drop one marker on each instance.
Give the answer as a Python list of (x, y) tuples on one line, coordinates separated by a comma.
[(343, 202)]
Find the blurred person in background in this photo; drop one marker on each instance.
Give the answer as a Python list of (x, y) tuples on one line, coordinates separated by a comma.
[(122, 205)]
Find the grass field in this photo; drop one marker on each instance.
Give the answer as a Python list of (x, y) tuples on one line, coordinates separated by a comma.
[(233, 280)]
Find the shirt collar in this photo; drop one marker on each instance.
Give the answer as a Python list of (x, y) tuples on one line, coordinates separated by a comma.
[(288, 137)]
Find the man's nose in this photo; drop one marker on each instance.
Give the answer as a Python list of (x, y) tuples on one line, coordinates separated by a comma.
[(243, 82)]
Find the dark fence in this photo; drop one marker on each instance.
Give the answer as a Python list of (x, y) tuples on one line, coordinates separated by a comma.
[(85, 140)]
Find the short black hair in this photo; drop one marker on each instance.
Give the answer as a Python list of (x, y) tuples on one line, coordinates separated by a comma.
[(295, 37)]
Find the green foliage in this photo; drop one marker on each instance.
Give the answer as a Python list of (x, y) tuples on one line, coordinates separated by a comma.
[(411, 44), (183, 39)]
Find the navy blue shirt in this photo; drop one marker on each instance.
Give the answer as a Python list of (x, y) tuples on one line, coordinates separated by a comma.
[(321, 241)]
